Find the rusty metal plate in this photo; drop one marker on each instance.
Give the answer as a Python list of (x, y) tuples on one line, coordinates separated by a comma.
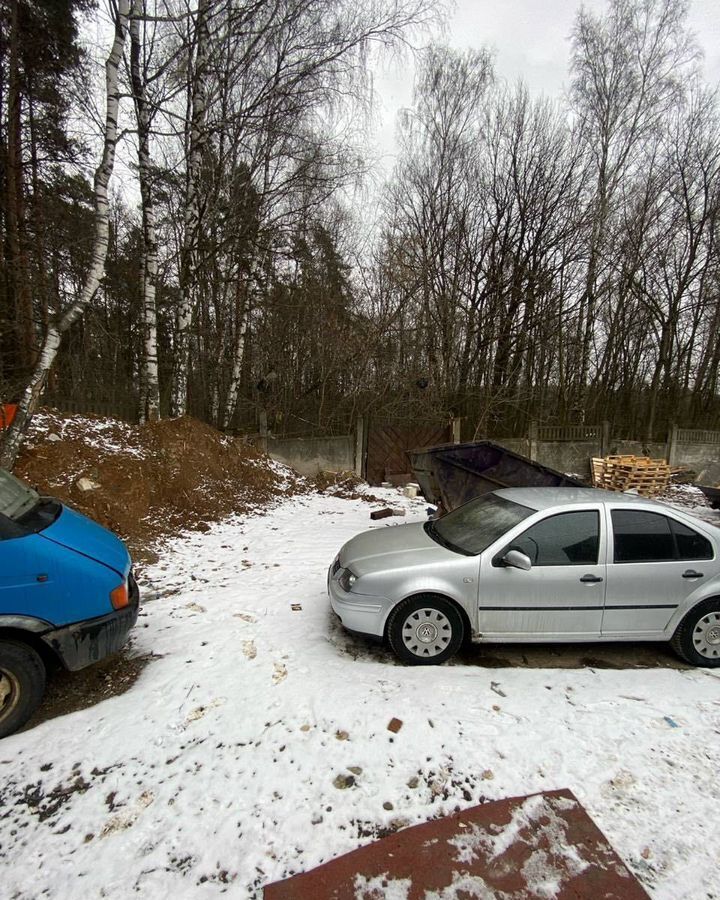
[(540, 846)]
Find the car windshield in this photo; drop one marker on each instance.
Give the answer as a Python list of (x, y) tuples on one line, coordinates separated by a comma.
[(16, 499), (472, 527)]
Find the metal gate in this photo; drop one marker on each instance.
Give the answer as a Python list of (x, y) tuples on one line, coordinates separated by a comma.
[(388, 443)]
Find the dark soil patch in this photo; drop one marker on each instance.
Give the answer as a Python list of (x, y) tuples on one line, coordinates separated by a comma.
[(620, 655), (68, 692)]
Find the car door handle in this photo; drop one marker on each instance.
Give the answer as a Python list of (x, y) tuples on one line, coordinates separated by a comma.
[(590, 579), (691, 573)]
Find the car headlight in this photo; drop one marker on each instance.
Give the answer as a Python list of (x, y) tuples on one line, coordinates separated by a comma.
[(347, 580)]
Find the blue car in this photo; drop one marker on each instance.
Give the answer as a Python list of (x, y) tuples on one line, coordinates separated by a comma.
[(67, 595)]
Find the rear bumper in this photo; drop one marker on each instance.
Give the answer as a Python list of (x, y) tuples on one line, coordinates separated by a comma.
[(84, 643)]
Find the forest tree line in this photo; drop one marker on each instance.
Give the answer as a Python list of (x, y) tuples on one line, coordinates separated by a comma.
[(540, 258)]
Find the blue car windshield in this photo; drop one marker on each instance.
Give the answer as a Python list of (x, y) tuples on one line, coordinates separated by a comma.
[(474, 526), (16, 499)]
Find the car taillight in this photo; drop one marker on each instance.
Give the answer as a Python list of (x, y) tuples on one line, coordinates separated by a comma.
[(120, 596)]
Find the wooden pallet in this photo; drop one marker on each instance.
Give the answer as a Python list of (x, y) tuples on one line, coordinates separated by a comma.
[(631, 473)]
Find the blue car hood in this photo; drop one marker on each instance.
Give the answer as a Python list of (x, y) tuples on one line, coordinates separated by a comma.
[(78, 533)]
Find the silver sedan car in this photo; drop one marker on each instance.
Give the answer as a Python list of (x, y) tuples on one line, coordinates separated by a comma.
[(535, 565)]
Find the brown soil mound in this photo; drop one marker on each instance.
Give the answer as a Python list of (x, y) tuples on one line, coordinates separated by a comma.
[(152, 479), (341, 484)]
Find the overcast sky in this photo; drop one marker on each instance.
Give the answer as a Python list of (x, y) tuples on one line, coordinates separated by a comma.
[(531, 41)]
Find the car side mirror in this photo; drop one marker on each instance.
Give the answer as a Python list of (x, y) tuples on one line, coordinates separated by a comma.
[(517, 560)]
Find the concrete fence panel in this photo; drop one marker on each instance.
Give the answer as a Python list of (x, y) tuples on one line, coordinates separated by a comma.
[(311, 455)]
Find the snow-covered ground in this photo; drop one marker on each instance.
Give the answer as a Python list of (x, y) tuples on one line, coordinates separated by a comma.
[(256, 744)]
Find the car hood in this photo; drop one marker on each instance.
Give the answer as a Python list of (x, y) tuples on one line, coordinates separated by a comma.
[(393, 547), (78, 533)]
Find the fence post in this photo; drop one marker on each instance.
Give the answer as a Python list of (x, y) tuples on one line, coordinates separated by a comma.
[(672, 444), (263, 425), (605, 440), (359, 445), (532, 439), (456, 426)]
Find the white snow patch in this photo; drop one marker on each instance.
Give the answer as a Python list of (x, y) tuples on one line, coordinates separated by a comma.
[(243, 792), (470, 886), (544, 872), (381, 887)]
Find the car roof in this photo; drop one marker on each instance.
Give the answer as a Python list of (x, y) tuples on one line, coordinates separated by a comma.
[(540, 498)]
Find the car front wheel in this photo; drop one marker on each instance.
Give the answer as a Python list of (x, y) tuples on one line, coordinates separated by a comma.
[(697, 639), (425, 631), (22, 684)]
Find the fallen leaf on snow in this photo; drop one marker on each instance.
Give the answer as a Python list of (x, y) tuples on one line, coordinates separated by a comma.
[(249, 649), (341, 782), (200, 711), (279, 673), (127, 819)]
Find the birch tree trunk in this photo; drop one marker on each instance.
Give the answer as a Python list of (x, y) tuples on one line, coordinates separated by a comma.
[(191, 218), (238, 357), (31, 395), (150, 408)]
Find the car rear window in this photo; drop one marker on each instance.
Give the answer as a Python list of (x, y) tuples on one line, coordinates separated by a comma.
[(690, 544), (641, 536)]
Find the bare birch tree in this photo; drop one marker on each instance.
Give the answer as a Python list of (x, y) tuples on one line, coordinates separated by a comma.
[(32, 393), (150, 385), (628, 68), (197, 138)]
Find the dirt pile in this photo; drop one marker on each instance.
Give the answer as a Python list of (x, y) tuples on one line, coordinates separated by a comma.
[(148, 481), (341, 484)]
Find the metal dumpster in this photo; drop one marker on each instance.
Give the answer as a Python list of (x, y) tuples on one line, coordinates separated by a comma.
[(712, 494), (451, 474)]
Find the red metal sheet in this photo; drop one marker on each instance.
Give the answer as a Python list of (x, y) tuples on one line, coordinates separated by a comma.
[(540, 846)]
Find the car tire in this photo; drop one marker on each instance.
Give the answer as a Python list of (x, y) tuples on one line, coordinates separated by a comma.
[(425, 630), (22, 684), (697, 638)]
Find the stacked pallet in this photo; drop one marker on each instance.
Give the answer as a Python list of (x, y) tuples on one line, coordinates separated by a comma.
[(631, 473)]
